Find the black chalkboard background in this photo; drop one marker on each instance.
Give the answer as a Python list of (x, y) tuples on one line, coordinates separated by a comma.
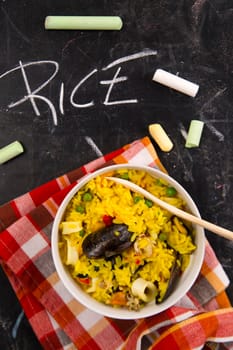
[(191, 38)]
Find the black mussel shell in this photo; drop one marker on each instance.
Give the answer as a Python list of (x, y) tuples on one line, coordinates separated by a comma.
[(107, 242)]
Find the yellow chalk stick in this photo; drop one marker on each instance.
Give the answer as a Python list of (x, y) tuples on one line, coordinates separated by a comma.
[(160, 136)]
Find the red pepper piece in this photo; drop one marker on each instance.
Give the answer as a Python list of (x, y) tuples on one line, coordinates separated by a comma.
[(107, 219), (84, 280)]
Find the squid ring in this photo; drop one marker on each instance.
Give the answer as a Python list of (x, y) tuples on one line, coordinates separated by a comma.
[(144, 290)]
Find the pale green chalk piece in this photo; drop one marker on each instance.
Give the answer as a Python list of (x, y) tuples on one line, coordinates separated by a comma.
[(83, 22), (194, 134), (10, 151)]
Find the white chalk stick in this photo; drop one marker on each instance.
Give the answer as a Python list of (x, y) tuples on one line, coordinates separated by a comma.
[(174, 82)]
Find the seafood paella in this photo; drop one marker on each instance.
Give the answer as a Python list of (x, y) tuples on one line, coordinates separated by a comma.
[(121, 248)]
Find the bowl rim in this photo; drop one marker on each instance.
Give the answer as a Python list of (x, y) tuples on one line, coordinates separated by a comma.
[(186, 281)]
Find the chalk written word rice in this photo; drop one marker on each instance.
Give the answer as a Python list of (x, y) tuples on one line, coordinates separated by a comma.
[(83, 22), (194, 134), (160, 136), (10, 151), (175, 82)]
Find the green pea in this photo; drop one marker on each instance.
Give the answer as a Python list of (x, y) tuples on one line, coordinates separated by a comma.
[(80, 209), (124, 176), (171, 191), (158, 182), (136, 199), (81, 233), (87, 197), (149, 203), (162, 237)]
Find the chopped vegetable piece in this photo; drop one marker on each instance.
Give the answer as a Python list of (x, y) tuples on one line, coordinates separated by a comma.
[(71, 227), (118, 298), (171, 191), (94, 285), (87, 197), (161, 137), (124, 176), (149, 203), (137, 199), (107, 219), (194, 134), (82, 233), (84, 280), (162, 237), (158, 182), (80, 209), (72, 254)]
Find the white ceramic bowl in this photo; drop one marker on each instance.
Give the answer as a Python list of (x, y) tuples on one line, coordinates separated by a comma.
[(185, 281)]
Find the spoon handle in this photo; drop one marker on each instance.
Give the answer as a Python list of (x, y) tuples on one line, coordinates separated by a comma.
[(176, 211)]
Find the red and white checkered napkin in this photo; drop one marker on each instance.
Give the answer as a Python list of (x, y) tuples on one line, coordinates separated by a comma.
[(203, 316)]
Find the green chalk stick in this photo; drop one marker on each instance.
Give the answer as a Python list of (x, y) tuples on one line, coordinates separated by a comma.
[(10, 151), (194, 134), (83, 22)]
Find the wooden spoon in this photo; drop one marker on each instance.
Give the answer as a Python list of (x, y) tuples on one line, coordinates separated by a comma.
[(176, 211)]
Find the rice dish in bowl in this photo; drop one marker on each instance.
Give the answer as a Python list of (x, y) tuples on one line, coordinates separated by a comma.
[(118, 253)]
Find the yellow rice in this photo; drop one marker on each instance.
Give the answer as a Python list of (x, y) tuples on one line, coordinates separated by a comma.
[(158, 238)]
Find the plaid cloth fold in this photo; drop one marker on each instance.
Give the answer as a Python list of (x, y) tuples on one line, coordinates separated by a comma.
[(201, 319)]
